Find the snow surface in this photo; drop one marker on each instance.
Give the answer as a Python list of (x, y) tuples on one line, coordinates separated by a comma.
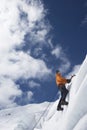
[(23, 117), (45, 116)]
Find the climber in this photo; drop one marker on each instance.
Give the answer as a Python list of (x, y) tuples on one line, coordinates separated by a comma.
[(61, 81)]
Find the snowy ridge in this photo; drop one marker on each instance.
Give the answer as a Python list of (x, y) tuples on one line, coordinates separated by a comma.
[(23, 117), (74, 116)]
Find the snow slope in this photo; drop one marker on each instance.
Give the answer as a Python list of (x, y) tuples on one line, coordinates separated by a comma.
[(74, 116), (23, 117)]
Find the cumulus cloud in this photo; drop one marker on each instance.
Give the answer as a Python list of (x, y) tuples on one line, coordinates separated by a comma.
[(21, 65), (37, 52), (74, 70), (60, 54), (8, 91), (38, 27), (57, 51), (33, 84), (29, 96), (17, 19)]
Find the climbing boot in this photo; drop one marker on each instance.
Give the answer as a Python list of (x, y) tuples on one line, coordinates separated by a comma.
[(64, 103), (59, 108)]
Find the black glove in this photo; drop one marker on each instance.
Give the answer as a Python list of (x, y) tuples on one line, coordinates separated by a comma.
[(68, 80)]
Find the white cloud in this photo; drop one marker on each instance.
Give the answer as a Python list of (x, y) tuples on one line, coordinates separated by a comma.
[(29, 96), (8, 92), (18, 64), (74, 70), (41, 34), (38, 27), (13, 28), (59, 53), (33, 84), (17, 18), (34, 13), (37, 51), (65, 64)]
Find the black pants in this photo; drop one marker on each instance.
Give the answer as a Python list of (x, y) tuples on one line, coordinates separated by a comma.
[(64, 93)]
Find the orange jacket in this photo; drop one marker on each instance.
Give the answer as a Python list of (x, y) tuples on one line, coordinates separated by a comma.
[(60, 80)]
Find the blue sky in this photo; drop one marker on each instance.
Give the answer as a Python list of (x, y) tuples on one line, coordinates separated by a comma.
[(69, 21), (39, 37)]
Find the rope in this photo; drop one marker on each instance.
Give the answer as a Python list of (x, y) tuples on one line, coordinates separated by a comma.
[(42, 114)]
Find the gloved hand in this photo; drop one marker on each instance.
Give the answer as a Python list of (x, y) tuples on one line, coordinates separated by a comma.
[(68, 80)]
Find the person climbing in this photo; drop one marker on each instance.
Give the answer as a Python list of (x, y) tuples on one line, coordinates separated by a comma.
[(61, 81)]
